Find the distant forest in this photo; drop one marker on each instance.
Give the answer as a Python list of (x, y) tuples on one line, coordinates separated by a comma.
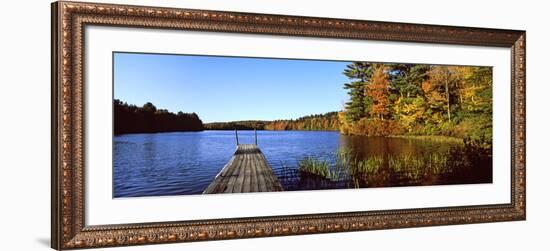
[(149, 119), (317, 122), (239, 125)]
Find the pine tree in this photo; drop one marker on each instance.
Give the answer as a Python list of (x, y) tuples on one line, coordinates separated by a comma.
[(358, 106)]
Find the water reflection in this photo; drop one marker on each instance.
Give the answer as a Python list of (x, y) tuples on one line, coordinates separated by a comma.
[(363, 162)]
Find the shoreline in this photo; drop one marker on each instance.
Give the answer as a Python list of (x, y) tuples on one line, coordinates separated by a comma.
[(440, 138)]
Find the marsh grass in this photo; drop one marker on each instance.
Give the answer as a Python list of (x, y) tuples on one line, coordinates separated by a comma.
[(366, 166), (416, 167), (316, 167), (348, 167)]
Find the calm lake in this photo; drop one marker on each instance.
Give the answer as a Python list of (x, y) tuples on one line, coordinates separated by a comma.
[(183, 163)]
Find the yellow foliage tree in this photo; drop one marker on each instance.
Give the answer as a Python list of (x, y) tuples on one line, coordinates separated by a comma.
[(411, 111)]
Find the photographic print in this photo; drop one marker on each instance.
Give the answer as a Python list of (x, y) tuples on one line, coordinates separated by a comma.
[(192, 124)]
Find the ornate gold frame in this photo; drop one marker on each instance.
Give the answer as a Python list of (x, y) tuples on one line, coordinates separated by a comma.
[(68, 228)]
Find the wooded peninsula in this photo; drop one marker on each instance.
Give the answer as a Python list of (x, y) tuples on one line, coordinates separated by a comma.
[(149, 119)]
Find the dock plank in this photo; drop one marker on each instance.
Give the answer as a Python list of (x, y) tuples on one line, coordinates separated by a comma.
[(247, 171), (232, 178), (254, 178), (237, 188), (247, 174), (226, 171)]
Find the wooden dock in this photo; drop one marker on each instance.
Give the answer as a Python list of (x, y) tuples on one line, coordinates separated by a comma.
[(247, 171)]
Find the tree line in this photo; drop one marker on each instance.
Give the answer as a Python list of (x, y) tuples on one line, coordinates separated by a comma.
[(238, 125), (149, 119), (317, 122), (393, 99)]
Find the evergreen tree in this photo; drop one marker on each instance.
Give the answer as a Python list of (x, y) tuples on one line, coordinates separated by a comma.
[(358, 105), (407, 79)]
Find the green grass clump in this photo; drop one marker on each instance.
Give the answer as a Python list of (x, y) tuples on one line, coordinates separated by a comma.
[(437, 163), (366, 166), (316, 167), (343, 158), (415, 167)]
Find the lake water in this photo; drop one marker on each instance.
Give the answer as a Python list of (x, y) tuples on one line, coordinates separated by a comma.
[(183, 163)]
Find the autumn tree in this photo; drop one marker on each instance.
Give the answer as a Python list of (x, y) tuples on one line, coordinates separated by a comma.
[(477, 89), (477, 106), (378, 90), (443, 83), (410, 112)]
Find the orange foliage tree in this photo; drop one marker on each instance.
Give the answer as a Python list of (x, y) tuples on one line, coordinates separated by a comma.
[(378, 90)]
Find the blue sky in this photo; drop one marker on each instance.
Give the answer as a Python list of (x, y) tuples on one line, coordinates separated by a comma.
[(222, 89)]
